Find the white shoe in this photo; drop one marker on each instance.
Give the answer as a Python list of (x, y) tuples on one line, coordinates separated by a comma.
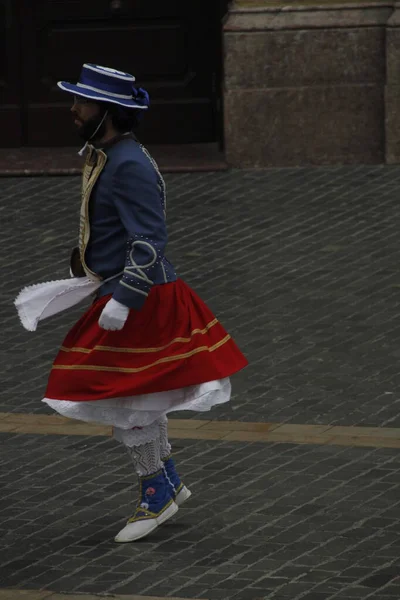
[(143, 523), (183, 495)]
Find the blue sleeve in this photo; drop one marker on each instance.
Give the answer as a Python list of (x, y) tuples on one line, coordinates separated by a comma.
[(137, 198)]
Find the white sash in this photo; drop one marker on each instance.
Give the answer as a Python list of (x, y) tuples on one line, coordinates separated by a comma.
[(37, 302), (42, 300)]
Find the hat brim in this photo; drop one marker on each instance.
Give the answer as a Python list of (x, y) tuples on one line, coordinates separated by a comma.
[(78, 91)]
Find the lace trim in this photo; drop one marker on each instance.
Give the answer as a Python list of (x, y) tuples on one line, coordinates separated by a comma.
[(138, 437), (165, 446), (140, 411), (146, 457)]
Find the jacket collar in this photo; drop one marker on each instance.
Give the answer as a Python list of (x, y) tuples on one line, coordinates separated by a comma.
[(115, 140)]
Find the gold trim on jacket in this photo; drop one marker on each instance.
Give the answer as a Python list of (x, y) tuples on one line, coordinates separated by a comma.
[(94, 165)]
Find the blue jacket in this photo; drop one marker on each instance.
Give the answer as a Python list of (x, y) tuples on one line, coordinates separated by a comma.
[(123, 227)]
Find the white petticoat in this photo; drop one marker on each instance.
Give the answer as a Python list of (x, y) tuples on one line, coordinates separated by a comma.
[(144, 410)]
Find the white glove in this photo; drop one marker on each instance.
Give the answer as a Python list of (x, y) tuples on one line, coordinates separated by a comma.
[(114, 316)]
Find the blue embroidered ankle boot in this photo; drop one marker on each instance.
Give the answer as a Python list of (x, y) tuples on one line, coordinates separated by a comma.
[(180, 492), (156, 505)]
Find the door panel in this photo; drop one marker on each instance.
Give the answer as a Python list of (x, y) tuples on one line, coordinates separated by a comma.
[(173, 48), (90, 44), (10, 109), (169, 46), (105, 9)]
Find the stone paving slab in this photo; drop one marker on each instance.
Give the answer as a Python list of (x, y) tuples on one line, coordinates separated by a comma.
[(66, 161), (234, 431), (300, 265), (14, 594), (266, 521), (23, 594)]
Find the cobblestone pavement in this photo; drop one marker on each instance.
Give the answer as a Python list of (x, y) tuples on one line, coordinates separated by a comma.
[(301, 266), (279, 521)]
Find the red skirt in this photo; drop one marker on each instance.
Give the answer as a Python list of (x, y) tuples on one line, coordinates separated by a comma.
[(174, 341)]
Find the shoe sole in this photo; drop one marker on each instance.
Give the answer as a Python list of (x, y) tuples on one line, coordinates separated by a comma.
[(183, 495), (167, 514)]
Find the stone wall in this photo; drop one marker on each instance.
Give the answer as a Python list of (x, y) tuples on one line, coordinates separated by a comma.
[(312, 83), (392, 90)]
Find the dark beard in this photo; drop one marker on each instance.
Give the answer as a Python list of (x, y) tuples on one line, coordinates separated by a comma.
[(87, 129)]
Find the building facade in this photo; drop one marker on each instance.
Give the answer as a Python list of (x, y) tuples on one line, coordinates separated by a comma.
[(273, 82)]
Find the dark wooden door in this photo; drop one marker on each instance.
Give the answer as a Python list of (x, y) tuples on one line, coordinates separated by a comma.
[(10, 91), (172, 47)]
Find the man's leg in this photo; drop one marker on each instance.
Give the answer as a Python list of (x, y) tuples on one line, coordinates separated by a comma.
[(180, 491), (156, 498)]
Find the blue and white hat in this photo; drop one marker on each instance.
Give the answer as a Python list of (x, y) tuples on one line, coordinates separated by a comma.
[(107, 85)]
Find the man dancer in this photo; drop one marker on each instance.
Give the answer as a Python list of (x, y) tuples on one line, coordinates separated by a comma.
[(148, 345)]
